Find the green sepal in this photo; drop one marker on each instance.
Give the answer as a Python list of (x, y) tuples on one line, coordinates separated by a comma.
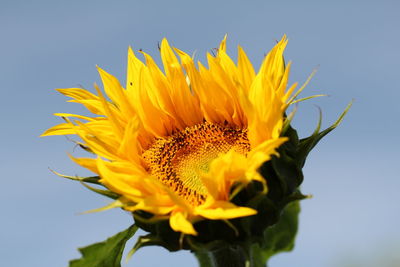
[(107, 253), (103, 192), (90, 179), (204, 258), (279, 237), (161, 233), (144, 241), (222, 254), (307, 144)]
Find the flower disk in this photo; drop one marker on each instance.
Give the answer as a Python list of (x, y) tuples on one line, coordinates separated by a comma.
[(180, 143), (179, 160)]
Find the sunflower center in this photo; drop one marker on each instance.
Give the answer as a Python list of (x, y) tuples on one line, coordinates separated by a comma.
[(178, 160)]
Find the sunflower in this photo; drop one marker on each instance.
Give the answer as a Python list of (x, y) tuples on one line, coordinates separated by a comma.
[(181, 143)]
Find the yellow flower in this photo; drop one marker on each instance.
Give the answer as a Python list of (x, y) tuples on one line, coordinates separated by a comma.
[(181, 143)]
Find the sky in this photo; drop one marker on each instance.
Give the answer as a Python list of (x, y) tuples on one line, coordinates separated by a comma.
[(353, 174)]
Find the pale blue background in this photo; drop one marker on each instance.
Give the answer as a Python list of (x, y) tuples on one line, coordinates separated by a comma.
[(353, 174)]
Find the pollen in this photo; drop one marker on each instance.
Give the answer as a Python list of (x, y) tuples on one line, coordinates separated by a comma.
[(179, 160)]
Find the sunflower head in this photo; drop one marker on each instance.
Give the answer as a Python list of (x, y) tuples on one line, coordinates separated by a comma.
[(198, 154)]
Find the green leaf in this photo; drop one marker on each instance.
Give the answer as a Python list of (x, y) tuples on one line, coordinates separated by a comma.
[(278, 238), (105, 254)]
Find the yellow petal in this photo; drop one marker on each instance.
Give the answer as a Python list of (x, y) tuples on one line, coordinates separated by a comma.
[(180, 223), (224, 172), (93, 105), (222, 45), (114, 90), (84, 97), (88, 163), (67, 115), (97, 140), (245, 70), (129, 147), (225, 210), (60, 129), (77, 93), (125, 179), (114, 122), (156, 204), (262, 152), (186, 103)]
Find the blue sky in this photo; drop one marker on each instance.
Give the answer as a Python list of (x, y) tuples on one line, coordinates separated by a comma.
[(353, 173)]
